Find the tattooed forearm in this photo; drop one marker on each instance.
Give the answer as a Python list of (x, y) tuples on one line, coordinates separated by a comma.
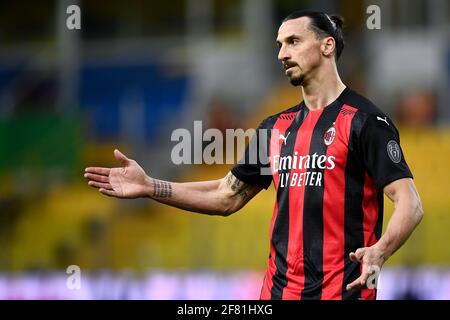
[(229, 179), (237, 186), (233, 182), (244, 193), (161, 189)]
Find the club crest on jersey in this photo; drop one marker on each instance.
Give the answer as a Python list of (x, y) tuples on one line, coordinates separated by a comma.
[(329, 136), (393, 150)]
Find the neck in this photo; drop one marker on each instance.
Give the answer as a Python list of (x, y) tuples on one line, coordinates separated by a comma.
[(324, 88)]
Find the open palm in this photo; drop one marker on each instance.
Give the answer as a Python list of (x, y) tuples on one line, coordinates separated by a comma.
[(129, 181)]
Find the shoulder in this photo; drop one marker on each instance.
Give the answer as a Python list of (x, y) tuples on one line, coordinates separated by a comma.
[(368, 113), (288, 114), (364, 105)]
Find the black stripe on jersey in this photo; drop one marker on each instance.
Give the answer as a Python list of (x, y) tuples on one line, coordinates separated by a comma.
[(379, 225), (280, 234), (353, 221), (313, 209)]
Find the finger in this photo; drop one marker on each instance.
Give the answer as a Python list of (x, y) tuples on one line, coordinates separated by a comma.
[(353, 285), (121, 157), (358, 284), (361, 282), (107, 192), (364, 276), (100, 185), (357, 255), (98, 170), (353, 257), (96, 177)]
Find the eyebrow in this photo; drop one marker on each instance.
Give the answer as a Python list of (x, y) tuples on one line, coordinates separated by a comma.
[(293, 36)]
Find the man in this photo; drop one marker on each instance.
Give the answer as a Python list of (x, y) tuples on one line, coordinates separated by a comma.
[(331, 158)]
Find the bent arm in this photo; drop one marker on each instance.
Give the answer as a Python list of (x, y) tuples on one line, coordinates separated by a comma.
[(407, 214), (405, 218)]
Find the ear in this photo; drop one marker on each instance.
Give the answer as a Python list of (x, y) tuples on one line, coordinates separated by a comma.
[(328, 46)]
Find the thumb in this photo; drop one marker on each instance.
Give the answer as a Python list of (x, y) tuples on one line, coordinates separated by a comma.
[(357, 255), (121, 157), (353, 257)]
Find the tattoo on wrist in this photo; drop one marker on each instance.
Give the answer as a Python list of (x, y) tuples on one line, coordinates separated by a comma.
[(161, 189)]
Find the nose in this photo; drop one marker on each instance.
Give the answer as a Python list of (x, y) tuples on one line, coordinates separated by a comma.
[(283, 54)]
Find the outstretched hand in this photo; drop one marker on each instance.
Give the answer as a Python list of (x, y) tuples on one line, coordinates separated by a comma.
[(129, 181)]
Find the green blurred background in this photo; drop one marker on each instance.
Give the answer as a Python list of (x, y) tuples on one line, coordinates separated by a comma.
[(139, 69)]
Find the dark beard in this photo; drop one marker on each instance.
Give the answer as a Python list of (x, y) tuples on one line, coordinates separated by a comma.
[(297, 81)]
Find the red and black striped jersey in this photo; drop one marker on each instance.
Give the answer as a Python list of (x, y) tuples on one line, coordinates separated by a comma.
[(329, 167)]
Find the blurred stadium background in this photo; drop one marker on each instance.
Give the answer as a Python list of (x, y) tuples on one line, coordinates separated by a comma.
[(139, 69)]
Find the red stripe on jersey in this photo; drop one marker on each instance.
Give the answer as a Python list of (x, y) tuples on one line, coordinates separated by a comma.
[(295, 259), (333, 208), (280, 127), (271, 268), (370, 209)]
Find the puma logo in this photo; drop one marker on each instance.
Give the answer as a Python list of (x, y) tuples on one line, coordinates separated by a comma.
[(284, 138), (384, 120)]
